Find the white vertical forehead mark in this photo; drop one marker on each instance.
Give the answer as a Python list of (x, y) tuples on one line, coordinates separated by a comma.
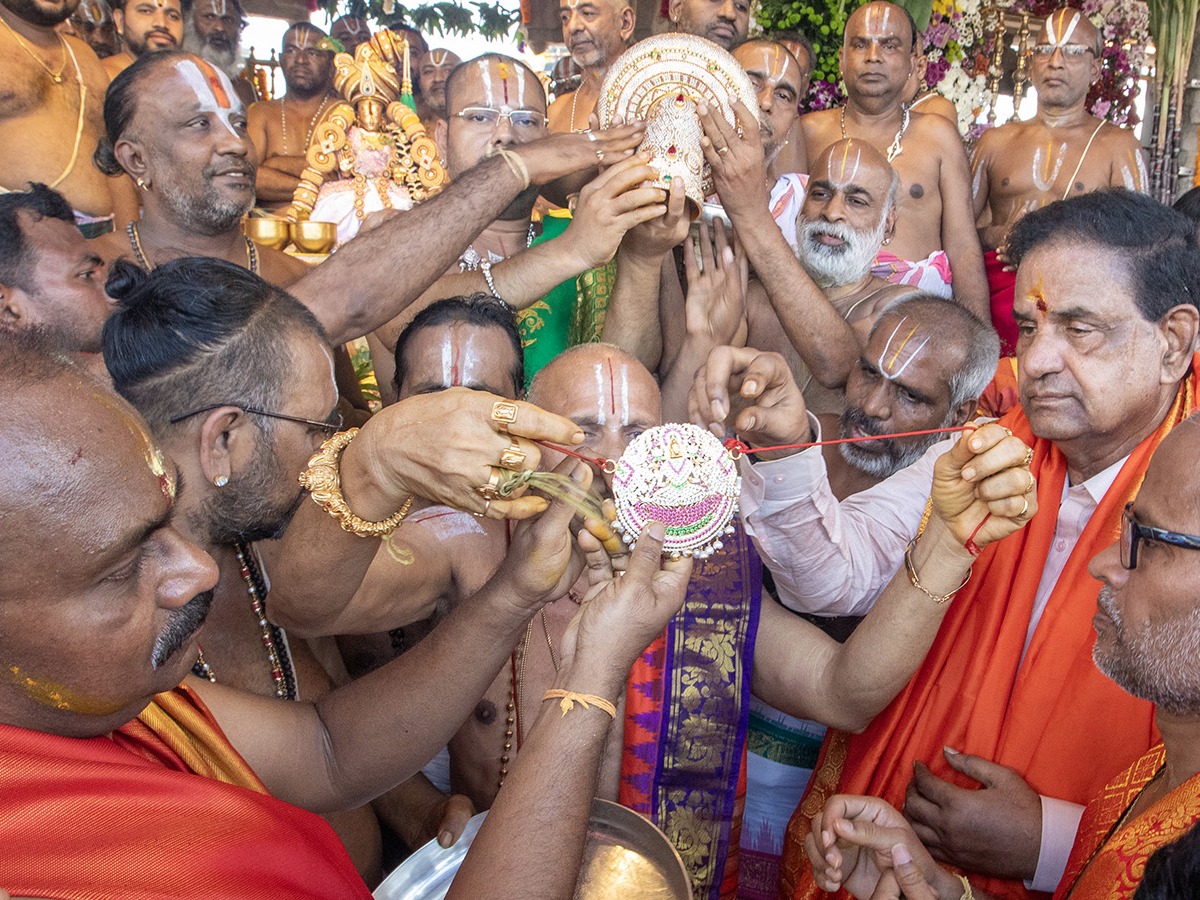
[(220, 7), (447, 358), (438, 57), (519, 74), (485, 75), (303, 35), (601, 395), (1057, 41), (623, 396), (889, 357), (220, 98)]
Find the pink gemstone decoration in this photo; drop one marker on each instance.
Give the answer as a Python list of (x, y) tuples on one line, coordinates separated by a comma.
[(682, 476)]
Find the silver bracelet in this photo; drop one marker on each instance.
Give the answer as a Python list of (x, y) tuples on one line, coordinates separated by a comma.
[(485, 266)]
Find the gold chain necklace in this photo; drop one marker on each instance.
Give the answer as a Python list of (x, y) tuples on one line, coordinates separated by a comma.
[(894, 150), (312, 123), (135, 241), (56, 77)]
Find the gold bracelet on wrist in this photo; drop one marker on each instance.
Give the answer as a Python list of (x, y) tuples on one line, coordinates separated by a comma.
[(968, 894), (916, 582), (515, 163), (323, 480)]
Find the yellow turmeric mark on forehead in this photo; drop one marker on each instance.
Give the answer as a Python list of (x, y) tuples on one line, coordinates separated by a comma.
[(888, 368), (908, 337)]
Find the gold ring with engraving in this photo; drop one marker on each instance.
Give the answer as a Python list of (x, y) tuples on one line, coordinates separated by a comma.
[(504, 414), (1032, 481), (1028, 458), (512, 458), (722, 150), (1024, 507), (600, 156), (491, 490)]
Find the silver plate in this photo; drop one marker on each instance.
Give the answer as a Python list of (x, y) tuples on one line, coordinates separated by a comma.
[(625, 856)]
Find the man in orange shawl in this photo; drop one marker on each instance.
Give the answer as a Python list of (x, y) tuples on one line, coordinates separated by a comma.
[(117, 781), (1148, 634), (1105, 372)]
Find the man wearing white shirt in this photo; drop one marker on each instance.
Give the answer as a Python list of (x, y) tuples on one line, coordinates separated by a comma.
[(1105, 368)]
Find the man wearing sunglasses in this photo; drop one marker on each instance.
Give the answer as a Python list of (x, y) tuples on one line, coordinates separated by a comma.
[(1061, 152), (1147, 626)]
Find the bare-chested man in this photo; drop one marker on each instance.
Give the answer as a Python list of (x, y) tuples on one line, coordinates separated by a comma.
[(145, 26), (496, 103), (596, 32), (724, 22), (1061, 152), (51, 96), (849, 212), (178, 128), (212, 29), (350, 31), (435, 68), (92, 22), (281, 129), (935, 236)]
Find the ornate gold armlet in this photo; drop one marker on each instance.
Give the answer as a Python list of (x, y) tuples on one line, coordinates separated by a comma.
[(323, 480), (916, 582)]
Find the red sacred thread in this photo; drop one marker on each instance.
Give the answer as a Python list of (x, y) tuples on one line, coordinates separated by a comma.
[(737, 446)]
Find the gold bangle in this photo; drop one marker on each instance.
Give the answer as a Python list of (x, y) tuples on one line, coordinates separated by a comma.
[(968, 894), (516, 164), (323, 480), (568, 699), (916, 582)]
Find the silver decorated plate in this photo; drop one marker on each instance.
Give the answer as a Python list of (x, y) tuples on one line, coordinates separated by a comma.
[(625, 856)]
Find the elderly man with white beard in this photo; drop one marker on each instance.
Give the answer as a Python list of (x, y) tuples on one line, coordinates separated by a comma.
[(212, 29), (849, 211)]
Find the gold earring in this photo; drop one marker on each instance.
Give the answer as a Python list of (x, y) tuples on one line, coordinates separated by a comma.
[(220, 480), (141, 183)]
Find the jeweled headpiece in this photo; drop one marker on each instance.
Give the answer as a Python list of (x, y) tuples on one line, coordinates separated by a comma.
[(375, 70), (660, 81), (682, 476)]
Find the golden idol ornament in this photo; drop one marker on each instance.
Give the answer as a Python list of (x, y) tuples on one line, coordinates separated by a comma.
[(660, 81)]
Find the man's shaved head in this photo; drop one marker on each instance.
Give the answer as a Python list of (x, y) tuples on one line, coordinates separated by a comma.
[(606, 392)]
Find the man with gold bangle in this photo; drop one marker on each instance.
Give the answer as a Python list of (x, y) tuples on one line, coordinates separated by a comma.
[(238, 388), (109, 748)]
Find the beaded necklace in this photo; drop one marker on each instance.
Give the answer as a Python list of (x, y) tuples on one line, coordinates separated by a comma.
[(135, 241), (895, 149), (279, 655)]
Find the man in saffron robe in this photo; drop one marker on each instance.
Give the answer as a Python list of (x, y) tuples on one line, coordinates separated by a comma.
[(1106, 369), (118, 780), (1148, 641)]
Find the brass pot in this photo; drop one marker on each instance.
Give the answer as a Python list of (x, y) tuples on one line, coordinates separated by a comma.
[(273, 233), (314, 237)]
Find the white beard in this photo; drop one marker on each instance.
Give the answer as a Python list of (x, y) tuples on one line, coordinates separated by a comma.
[(835, 266), (231, 62)]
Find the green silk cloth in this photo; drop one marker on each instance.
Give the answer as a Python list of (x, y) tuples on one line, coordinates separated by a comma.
[(572, 313)]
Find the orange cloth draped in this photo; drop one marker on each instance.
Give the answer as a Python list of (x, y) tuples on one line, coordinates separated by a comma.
[(1001, 393), (165, 808), (1053, 717), (1108, 861)]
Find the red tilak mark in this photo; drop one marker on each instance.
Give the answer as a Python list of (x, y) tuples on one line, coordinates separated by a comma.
[(418, 520), (164, 485), (504, 81), (214, 82), (612, 389), (454, 379), (76, 456), (1042, 307)]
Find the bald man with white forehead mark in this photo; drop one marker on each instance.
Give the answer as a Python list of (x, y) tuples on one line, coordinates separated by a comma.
[(1062, 152), (935, 246)]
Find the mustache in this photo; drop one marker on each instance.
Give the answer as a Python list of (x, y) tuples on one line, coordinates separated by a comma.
[(1106, 604), (181, 625), (854, 417)]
